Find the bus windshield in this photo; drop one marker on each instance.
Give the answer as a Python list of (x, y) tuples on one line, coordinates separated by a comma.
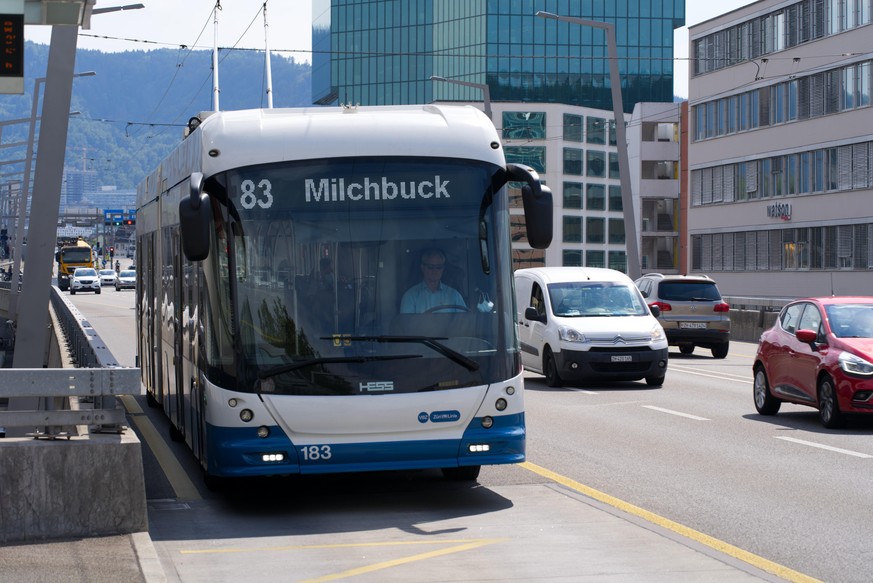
[(76, 255), (361, 276)]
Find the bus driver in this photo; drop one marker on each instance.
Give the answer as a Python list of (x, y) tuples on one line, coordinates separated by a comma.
[(431, 292)]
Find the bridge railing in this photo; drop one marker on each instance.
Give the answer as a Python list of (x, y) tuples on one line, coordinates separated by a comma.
[(96, 378)]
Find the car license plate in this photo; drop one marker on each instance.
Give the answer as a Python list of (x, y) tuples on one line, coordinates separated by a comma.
[(622, 358), (696, 325)]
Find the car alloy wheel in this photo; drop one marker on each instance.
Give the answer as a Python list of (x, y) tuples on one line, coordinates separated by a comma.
[(828, 407), (765, 403)]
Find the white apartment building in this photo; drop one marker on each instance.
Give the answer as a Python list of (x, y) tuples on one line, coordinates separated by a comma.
[(653, 140), (575, 153), (780, 153)]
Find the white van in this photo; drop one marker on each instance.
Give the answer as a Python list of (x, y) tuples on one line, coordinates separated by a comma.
[(584, 323)]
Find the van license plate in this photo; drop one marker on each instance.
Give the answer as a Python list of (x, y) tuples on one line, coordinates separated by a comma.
[(692, 324), (623, 358)]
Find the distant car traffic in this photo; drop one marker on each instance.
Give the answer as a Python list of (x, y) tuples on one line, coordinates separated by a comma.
[(818, 353), (692, 311), (125, 280), (107, 276), (85, 279)]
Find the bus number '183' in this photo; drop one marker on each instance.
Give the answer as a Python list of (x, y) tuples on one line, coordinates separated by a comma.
[(251, 197), (316, 452)]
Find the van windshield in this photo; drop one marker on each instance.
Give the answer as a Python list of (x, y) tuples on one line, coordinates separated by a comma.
[(585, 299)]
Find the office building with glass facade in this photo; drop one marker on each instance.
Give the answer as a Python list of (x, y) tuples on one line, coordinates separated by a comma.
[(780, 157), (384, 52), (548, 82)]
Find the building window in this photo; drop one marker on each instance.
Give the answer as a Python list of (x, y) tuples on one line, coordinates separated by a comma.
[(533, 156), (594, 230), (618, 261), (616, 231), (595, 130), (572, 229), (572, 128), (596, 163), (571, 258), (615, 202), (572, 195), (524, 125), (573, 161), (595, 199), (595, 259)]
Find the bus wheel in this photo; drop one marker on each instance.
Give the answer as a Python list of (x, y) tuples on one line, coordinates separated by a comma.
[(151, 401), (462, 473), (214, 483), (175, 434)]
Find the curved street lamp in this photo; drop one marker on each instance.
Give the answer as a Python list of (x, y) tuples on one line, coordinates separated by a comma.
[(634, 268)]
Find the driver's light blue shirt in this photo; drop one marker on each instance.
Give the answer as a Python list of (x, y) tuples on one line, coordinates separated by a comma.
[(419, 299)]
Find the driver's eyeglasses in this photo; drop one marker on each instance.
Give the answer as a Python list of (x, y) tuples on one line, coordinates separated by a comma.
[(434, 265)]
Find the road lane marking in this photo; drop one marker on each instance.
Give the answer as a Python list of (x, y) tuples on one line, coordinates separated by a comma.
[(671, 412), (827, 447), (695, 535), (459, 545), (178, 478), (721, 377)]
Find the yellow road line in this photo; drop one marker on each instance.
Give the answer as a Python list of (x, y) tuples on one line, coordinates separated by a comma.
[(182, 486), (459, 545), (714, 543)]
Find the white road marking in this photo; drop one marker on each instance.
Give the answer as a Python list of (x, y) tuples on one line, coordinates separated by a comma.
[(671, 412), (827, 447), (723, 376)]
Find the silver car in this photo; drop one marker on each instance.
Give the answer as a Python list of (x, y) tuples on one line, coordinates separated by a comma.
[(693, 312), (85, 279), (126, 280)]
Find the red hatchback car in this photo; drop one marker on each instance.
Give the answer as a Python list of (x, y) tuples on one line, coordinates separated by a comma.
[(818, 353)]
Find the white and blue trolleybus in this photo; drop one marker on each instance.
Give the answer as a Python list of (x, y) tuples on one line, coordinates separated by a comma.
[(274, 249)]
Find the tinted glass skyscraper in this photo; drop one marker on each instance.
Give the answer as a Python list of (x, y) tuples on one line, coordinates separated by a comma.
[(375, 52)]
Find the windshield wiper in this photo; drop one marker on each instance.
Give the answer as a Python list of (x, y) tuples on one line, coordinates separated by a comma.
[(430, 342), (292, 366)]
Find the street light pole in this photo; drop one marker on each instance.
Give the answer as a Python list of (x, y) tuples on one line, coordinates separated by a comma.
[(18, 244), (486, 92), (634, 268)]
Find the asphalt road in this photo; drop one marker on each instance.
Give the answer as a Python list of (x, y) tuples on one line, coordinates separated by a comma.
[(692, 453)]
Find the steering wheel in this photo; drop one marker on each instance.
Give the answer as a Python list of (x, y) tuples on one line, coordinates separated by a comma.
[(453, 307)]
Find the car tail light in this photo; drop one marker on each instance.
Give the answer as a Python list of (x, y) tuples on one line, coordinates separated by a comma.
[(722, 307), (664, 306)]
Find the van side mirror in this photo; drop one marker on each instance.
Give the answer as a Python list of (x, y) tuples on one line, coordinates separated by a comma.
[(537, 201), (656, 311), (530, 313), (194, 216)]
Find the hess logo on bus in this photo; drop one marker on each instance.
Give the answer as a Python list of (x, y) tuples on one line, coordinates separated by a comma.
[(376, 386)]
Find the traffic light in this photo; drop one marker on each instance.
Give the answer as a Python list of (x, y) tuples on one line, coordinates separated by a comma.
[(129, 221), (112, 252)]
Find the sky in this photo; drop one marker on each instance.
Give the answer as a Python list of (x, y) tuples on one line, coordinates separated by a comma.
[(174, 23)]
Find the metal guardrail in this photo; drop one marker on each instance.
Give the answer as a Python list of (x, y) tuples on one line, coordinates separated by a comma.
[(756, 304), (96, 377)]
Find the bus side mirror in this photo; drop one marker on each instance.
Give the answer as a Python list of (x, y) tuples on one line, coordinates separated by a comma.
[(194, 215), (537, 200)]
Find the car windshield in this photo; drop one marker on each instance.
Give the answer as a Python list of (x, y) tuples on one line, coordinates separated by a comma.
[(129, 273), (85, 273), (583, 299), (851, 320), (107, 272), (689, 291)]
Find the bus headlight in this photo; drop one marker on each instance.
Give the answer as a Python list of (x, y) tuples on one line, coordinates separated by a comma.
[(487, 422), (500, 404), (263, 432), (246, 415)]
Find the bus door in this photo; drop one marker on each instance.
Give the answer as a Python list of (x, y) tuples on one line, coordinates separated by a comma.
[(179, 329)]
